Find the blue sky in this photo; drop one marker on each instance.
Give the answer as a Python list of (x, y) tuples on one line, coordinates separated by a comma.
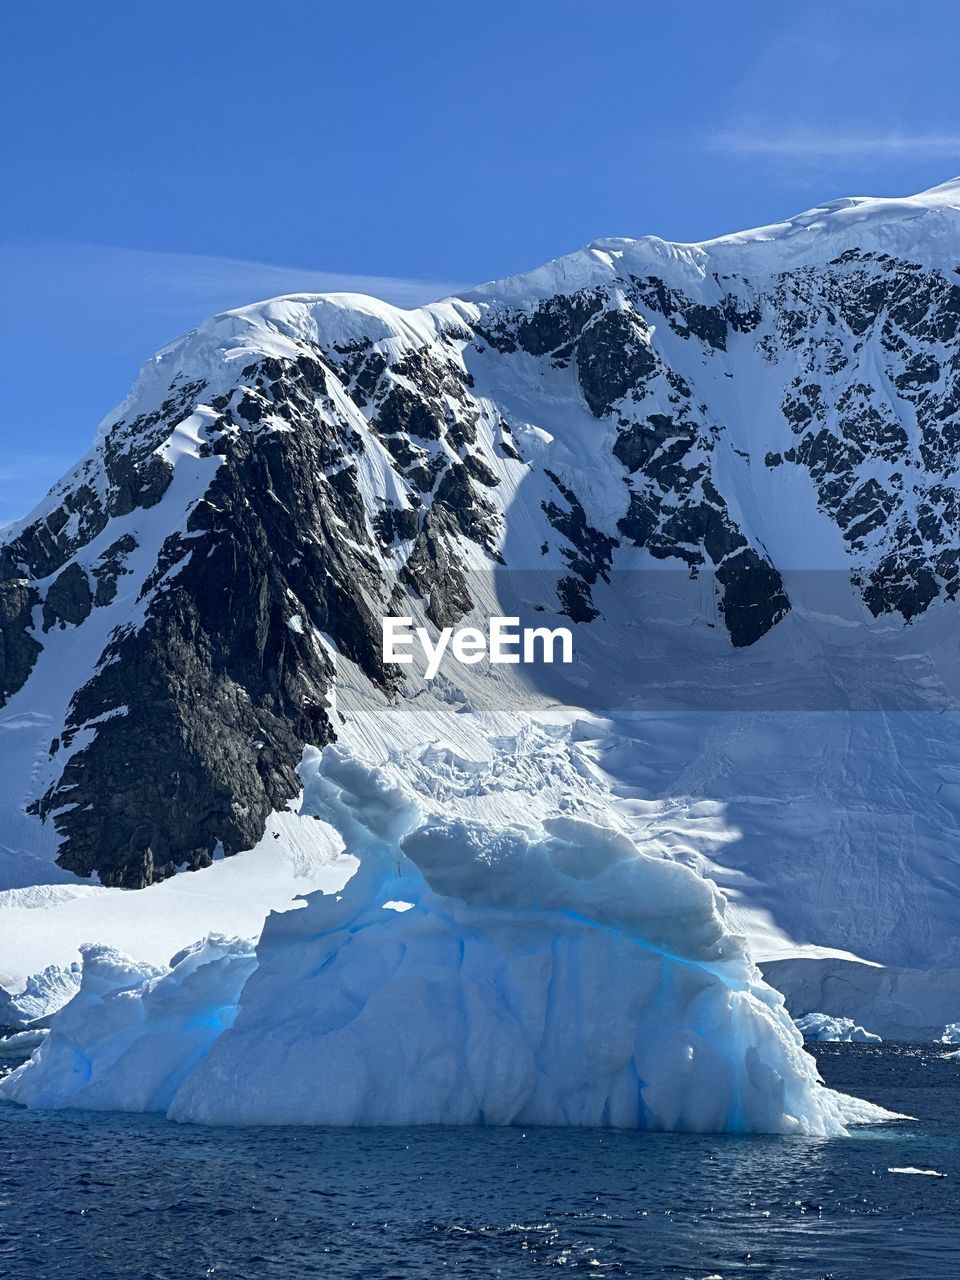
[(162, 162)]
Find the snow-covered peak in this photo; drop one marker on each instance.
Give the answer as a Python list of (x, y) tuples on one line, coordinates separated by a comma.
[(914, 227), (923, 228), (284, 327)]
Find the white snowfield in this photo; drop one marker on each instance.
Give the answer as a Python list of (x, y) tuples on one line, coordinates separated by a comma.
[(43, 927), (546, 973)]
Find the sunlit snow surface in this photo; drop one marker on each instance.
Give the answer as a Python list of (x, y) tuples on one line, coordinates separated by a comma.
[(543, 974)]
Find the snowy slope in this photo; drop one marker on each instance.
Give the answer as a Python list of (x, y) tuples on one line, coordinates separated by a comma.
[(730, 466)]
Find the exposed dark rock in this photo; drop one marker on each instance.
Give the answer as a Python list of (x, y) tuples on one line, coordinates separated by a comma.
[(613, 357), (435, 575), (506, 445), (575, 600), (404, 412), (556, 322), (637, 445), (69, 598), (174, 769), (687, 317), (458, 506), (109, 568), (640, 522), (709, 324), (18, 646), (753, 599), (593, 549), (396, 524)]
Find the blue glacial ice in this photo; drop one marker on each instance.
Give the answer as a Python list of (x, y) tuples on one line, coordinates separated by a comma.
[(549, 974), (133, 1033)]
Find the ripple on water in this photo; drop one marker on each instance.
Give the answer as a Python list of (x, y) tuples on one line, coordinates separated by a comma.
[(86, 1196)]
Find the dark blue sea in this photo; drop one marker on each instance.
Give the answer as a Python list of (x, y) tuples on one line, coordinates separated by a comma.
[(105, 1197)]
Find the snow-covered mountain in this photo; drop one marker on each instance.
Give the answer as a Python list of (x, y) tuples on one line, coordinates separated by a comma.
[(732, 467)]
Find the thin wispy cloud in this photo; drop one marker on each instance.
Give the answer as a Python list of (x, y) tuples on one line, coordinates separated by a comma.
[(77, 320), (828, 144), (175, 282)]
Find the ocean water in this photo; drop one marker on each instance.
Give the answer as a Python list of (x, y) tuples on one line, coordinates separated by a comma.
[(103, 1197)]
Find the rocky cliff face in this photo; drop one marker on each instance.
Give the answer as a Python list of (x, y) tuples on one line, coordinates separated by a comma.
[(282, 477)]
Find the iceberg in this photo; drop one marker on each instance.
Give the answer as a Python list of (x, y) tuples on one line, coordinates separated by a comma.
[(823, 1027), (20, 1044), (469, 974), (133, 1032), (951, 1033), (43, 994)]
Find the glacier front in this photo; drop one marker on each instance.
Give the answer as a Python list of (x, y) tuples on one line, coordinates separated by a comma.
[(546, 973)]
